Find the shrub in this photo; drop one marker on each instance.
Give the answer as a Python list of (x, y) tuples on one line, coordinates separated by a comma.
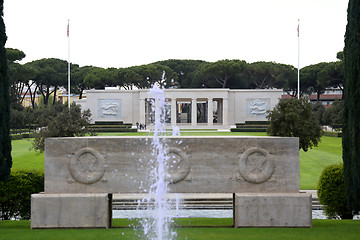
[(294, 118), (67, 123), (333, 116), (331, 192), (15, 195)]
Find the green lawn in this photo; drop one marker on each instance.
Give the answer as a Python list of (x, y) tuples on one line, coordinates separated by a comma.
[(321, 230), (314, 160), (311, 163), (24, 157)]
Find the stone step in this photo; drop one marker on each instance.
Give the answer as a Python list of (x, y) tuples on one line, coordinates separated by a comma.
[(189, 203)]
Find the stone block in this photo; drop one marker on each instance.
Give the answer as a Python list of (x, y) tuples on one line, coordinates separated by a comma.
[(272, 210), (195, 164), (71, 210)]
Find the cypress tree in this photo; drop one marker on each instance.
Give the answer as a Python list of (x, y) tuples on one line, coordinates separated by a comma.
[(351, 128), (5, 141)]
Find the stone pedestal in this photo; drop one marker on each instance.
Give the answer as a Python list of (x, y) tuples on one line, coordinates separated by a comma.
[(272, 210), (90, 210)]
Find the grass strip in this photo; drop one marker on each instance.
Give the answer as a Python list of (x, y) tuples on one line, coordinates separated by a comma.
[(180, 222), (321, 230)]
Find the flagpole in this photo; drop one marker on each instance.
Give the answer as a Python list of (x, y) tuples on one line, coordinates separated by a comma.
[(68, 36), (298, 87)]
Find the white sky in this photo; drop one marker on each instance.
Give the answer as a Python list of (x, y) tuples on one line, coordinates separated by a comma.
[(123, 33)]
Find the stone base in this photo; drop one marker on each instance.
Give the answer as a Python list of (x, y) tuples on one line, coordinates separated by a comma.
[(71, 210), (272, 210)]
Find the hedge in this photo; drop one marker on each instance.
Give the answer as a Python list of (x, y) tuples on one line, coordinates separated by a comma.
[(16, 136), (114, 129), (15, 195), (110, 123), (21, 136), (332, 134), (109, 126), (248, 130)]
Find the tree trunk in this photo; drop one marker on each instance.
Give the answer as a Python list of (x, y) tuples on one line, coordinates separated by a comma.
[(81, 93), (54, 100)]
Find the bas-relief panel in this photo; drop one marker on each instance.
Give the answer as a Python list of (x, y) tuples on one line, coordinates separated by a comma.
[(257, 107), (109, 108), (123, 165)]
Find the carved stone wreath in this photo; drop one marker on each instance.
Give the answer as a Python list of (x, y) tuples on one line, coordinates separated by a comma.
[(178, 165), (256, 165), (87, 166)]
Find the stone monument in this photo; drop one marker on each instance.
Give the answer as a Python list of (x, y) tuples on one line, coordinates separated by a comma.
[(81, 174)]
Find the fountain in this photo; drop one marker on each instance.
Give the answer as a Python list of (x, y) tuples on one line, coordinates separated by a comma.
[(156, 225)]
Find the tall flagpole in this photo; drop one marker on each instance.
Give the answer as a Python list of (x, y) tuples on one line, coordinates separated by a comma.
[(68, 36), (298, 87)]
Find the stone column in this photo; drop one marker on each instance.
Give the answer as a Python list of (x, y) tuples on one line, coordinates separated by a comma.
[(225, 111), (142, 111), (210, 111), (193, 112), (173, 112)]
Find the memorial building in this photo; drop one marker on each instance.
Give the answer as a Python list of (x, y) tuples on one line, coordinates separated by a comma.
[(201, 108)]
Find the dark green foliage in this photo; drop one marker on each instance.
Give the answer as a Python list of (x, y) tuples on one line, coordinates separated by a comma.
[(116, 126), (264, 75), (23, 135), (184, 69), (251, 126), (15, 195), (51, 73), (294, 118), (110, 123), (318, 112), (331, 192), (248, 130), (351, 127), (17, 137), (257, 123), (47, 75), (111, 129), (73, 123), (29, 119), (42, 116), (13, 55), (333, 116), (5, 141), (17, 118), (18, 74), (332, 134), (223, 70)]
